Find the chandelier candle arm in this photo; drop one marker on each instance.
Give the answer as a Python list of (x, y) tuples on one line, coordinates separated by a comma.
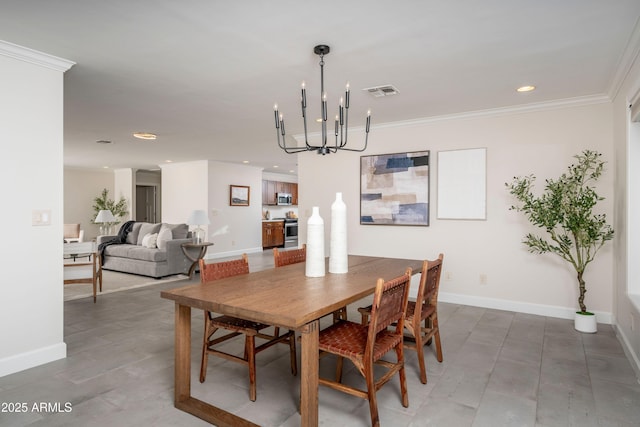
[(341, 122)]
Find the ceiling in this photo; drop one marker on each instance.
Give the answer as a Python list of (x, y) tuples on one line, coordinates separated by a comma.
[(204, 74)]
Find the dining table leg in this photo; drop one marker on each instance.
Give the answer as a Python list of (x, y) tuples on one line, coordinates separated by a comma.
[(309, 377), (182, 353)]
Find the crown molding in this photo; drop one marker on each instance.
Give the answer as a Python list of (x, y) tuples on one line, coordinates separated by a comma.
[(493, 112), (34, 57), (628, 59)]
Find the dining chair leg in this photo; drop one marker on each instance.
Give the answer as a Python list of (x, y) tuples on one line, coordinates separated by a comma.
[(437, 337), (292, 353), (364, 319), (340, 314), (339, 364), (205, 353), (420, 353), (403, 377), (371, 394), (251, 359)]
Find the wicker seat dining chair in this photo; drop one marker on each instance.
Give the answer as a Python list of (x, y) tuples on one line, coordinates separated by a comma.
[(294, 256), (365, 345), (211, 272), (421, 321), (291, 256)]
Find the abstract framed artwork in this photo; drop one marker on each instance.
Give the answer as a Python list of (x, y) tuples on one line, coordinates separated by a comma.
[(239, 195), (394, 189)]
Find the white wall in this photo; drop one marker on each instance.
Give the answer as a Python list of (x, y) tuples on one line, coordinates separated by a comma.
[(80, 188), (626, 312), (234, 229), (125, 186), (31, 131), (184, 189), (518, 143), (205, 185)]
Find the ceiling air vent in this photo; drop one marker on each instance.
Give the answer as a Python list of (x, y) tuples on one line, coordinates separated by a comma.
[(379, 91)]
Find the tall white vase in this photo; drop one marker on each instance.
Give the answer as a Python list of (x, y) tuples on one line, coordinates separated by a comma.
[(338, 258), (315, 245)]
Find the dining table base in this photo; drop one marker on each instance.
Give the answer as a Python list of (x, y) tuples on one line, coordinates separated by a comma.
[(182, 394)]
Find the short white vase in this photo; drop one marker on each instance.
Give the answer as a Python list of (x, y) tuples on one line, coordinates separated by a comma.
[(586, 323), (338, 257), (315, 263)]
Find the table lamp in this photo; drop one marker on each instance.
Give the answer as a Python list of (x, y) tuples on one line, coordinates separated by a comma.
[(105, 217), (198, 218)]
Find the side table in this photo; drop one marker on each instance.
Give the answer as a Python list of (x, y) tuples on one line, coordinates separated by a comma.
[(202, 249)]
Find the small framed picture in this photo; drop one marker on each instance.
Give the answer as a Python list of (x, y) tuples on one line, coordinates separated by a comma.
[(239, 195)]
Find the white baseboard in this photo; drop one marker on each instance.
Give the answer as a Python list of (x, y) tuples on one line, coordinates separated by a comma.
[(30, 359), (519, 307), (628, 350)]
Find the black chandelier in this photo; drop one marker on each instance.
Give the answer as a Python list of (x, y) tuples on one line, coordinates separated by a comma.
[(342, 118)]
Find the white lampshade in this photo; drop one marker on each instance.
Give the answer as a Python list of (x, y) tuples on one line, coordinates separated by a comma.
[(198, 217), (105, 215)]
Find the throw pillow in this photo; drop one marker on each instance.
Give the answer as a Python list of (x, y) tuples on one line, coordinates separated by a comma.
[(147, 228), (132, 237), (163, 236), (150, 241)]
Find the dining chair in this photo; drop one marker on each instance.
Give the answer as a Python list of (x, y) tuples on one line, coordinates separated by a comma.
[(211, 272), (365, 345), (291, 256), (294, 256), (72, 233), (422, 311)]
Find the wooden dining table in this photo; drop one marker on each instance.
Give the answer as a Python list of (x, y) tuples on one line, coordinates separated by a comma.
[(282, 297)]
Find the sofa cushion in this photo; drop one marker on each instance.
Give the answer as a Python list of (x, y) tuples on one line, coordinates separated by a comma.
[(135, 252), (163, 236), (147, 228), (179, 231)]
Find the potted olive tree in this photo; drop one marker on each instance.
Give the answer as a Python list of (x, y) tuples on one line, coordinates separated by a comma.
[(565, 212), (103, 202)]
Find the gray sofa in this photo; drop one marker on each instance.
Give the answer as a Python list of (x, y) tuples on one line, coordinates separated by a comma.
[(150, 250)]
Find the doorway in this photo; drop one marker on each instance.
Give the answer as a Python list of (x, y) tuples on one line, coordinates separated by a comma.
[(146, 203)]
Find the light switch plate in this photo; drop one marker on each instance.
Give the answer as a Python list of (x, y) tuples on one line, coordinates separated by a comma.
[(41, 217)]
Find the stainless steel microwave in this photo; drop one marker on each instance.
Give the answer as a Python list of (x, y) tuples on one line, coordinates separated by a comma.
[(284, 198)]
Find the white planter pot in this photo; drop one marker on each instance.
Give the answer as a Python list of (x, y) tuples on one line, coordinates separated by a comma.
[(585, 323)]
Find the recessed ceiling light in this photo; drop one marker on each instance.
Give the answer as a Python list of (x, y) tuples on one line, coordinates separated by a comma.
[(105, 167), (168, 161), (527, 88), (145, 135), (275, 166), (245, 161)]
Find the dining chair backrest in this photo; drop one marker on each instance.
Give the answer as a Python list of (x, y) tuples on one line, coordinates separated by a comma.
[(222, 269), (71, 231), (429, 283), (389, 305), (291, 256)]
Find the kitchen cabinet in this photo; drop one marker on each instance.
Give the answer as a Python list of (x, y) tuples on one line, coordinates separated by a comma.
[(294, 193), (269, 192), (272, 234), (271, 188)]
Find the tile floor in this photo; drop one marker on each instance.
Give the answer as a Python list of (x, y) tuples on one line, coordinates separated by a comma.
[(500, 369)]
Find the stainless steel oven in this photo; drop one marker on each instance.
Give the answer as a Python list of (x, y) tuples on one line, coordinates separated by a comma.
[(290, 232)]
